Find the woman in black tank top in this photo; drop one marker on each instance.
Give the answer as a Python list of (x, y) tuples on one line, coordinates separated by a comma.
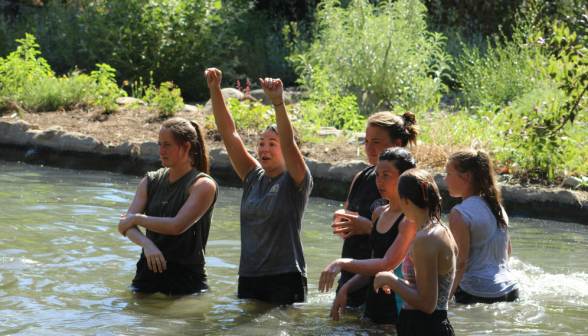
[(354, 222), (389, 241), (174, 205)]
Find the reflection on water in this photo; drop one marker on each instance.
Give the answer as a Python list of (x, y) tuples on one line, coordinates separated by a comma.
[(64, 269)]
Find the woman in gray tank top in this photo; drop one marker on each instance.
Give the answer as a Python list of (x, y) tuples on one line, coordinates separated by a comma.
[(480, 227), (174, 205), (275, 194)]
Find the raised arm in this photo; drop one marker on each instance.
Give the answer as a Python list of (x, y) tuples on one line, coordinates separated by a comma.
[(393, 258), (202, 194), (294, 160), (242, 161), (155, 260), (461, 234)]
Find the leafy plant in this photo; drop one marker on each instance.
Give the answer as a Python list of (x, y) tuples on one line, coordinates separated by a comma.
[(247, 115), (166, 100), (21, 67), (327, 108), (106, 91), (51, 93), (542, 133), (384, 51), (501, 73)]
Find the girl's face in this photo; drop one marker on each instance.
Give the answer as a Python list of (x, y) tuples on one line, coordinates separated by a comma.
[(171, 154), (387, 179), (376, 140), (455, 181), (269, 151)]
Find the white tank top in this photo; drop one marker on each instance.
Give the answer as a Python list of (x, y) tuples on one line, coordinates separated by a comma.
[(487, 273)]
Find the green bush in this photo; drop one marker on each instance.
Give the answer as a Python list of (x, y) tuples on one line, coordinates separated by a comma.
[(383, 50), (167, 100), (51, 93), (27, 83), (21, 67), (537, 131), (329, 108), (247, 115), (501, 73)]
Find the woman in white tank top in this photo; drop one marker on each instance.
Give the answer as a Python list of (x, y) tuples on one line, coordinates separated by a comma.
[(480, 227)]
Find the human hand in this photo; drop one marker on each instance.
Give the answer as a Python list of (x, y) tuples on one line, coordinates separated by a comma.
[(155, 260), (348, 223), (328, 275), (383, 279), (213, 77), (126, 222), (340, 302), (273, 88)]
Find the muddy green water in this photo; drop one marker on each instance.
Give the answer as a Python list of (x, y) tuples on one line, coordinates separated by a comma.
[(64, 269)]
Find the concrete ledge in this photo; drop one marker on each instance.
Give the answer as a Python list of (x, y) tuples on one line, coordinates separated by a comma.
[(20, 141)]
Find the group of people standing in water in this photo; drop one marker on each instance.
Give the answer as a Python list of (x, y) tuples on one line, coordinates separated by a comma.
[(399, 260)]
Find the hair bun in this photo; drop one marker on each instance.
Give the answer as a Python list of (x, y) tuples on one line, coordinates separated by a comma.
[(409, 118)]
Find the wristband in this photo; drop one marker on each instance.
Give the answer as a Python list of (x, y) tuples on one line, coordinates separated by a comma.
[(279, 103)]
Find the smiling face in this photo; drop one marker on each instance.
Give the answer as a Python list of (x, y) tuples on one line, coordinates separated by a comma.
[(387, 179), (170, 152), (376, 140), (455, 181), (269, 151)]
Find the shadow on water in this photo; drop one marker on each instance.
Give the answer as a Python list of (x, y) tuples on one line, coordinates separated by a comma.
[(65, 269)]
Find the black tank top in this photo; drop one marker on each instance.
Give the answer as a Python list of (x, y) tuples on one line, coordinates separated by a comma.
[(364, 198), (165, 200), (381, 307)]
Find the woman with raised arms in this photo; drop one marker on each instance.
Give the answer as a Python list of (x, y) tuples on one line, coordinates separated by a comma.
[(480, 227), (354, 222), (275, 195), (174, 205), (429, 265), (391, 235)]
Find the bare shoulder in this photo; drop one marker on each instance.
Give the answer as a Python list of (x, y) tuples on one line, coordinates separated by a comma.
[(203, 184), (378, 212), (408, 225)]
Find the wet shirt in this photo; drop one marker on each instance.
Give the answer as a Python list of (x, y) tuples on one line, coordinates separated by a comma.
[(364, 198), (271, 220), (165, 200), (487, 273)]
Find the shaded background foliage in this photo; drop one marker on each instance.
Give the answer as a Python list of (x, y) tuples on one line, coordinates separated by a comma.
[(178, 39)]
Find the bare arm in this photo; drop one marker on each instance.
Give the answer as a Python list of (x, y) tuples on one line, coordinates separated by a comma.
[(155, 260), (353, 284), (425, 256), (294, 160), (461, 234), (202, 195), (242, 161), (393, 258)]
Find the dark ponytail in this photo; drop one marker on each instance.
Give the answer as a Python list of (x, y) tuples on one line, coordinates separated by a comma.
[(399, 126), (420, 188), (480, 170), (188, 131)]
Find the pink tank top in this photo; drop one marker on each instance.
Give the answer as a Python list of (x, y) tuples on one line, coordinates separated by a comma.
[(444, 282)]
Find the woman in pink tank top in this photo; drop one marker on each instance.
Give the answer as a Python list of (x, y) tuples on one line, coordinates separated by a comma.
[(431, 256)]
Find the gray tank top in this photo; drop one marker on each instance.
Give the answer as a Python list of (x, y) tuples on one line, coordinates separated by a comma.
[(487, 273)]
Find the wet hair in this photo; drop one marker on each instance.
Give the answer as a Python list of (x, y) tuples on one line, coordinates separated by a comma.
[(420, 188), (399, 126), (188, 131), (480, 170), (274, 128), (401, 158)]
